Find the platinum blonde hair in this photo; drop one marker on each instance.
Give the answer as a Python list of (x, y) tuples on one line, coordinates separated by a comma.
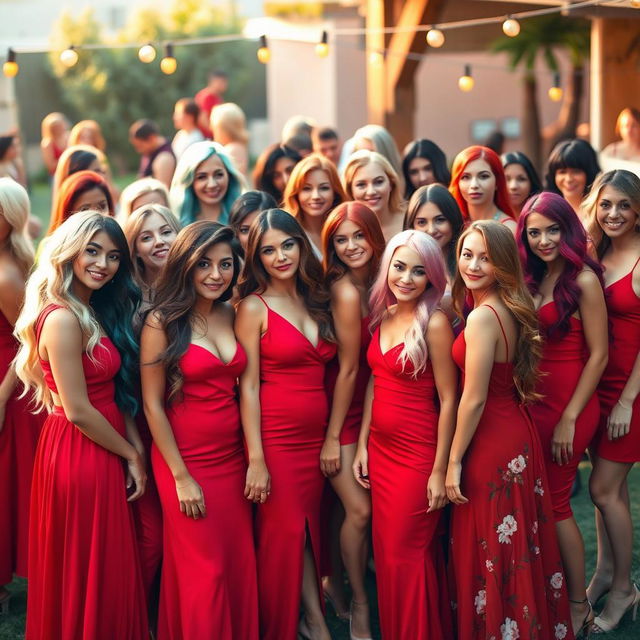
[(15, 208)]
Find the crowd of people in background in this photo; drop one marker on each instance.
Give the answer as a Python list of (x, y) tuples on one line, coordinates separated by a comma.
[(229, 380)]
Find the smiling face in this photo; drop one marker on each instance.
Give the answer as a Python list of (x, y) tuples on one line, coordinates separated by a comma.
[(153, 242), (93, 199), (371, 186), (407, 278), (351, 245), (478, 183), (316, 194), (518, 185), (571, 183), (544, 236), (279, 254), (214, 272), (432, 221), (475, 268), (421, 172), (210, 181), (615, 214), (96, 265)]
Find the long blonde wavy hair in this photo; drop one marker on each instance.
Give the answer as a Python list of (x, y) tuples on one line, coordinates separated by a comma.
[(15, 208)]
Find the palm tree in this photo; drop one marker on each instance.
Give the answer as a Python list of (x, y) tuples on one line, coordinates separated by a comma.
[(544, 36)]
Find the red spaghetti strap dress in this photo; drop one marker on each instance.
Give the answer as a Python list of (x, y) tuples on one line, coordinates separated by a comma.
[(410, 571), (208, 587), (294, 412), (504, 551), (624, 322), (84, 576), (562, 363), (18, 439)]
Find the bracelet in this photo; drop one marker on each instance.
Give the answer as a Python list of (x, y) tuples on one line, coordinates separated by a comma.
[(623, 406)]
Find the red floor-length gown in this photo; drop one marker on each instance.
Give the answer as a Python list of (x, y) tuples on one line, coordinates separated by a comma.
[(85, 581), (294, 412), (562, 363), (623, 306), (208, 587), (18, 440), (504, 551), (410, 572)]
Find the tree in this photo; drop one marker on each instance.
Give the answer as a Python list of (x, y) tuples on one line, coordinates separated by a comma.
[(545, 35)]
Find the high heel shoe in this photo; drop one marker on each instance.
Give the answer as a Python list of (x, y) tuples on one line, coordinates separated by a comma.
[(602, 625), (584, 632), (341, 614), (357, 604)]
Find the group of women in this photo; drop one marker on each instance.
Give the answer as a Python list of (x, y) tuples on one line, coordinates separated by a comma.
[(208, 361)]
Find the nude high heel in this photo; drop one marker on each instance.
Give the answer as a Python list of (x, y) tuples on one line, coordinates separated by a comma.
[(357, 604), (602, 625)]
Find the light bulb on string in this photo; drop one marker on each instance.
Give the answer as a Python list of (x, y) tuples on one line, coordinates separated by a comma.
[(555, 92), (322, 48), (435, 38), (147, 53), (69, 57), (511, 27), (635, 4), (264, 55), (466, 81), (10, 68), (168, 64)]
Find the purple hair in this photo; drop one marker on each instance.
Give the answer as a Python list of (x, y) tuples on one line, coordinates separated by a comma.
[(381, 298), (573, 248)]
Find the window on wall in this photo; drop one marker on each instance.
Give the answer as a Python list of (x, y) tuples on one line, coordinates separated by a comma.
[(116, 17), (481, 129)]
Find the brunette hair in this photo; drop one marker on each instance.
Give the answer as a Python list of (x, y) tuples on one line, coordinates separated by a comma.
[(440, 196), (430, 151), (368, 223), (517, 157), (514, 294), (476, 152), (309, 281), (176, 295), (572, 154), (627, 111), (247, 203), (266, 164), (572, 248)]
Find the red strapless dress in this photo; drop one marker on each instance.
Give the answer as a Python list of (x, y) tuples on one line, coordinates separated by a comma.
[(504, 551), (208, 587), (410, 571), (624, 322), (294, 412), (563, 360), (85, 581), (18, 440)]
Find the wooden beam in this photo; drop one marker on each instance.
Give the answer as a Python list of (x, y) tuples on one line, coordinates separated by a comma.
[(376, 62)]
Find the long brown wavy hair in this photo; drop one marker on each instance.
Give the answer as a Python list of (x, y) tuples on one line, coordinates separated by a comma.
[(514, 294), (176, 295), (309, 278)]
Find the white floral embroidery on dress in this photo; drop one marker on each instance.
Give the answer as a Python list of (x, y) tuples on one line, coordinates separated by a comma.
[(534, 527), (505, 530), (509, 630), (556, 580), (560, 631), (480, 601), (538, 488), (517, 465), (489, 565)]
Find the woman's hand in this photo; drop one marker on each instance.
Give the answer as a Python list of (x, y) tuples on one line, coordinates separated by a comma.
[(330, 457), (436, 492), (361, 467), (452, 483), (258, 484), (562, 441), (191, 498), (619, 421), (136, 477)]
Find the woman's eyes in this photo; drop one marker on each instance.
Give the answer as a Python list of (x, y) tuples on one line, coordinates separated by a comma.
[(115, 257), (244, 230), (226, 266), (203, 264), (288, 245)]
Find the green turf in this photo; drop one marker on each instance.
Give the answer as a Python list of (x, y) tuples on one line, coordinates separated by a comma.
[(11, 626)]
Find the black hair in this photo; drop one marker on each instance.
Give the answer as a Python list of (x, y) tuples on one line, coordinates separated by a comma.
[(428, 150), (144, 129), (265, 165), (572, 154), (517, 157)]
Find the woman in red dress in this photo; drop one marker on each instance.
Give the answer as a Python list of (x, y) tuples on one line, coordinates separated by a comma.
[(406, 432), (352, 245), (614, 216), (286, 330), (19, 429), (567, 288), (190, 363), (79, 355), (504, 551)]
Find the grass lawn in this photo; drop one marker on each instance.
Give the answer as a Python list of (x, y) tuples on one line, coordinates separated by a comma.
[(11, 626)]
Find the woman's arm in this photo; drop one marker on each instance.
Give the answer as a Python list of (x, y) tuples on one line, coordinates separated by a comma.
[(347, 320), (61, 337), (153, 342), (439, 342), (361, 461), (481, 335), (250, 320), (593, 314)]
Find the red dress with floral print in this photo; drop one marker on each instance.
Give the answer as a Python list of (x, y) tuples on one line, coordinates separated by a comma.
[(504, 552)]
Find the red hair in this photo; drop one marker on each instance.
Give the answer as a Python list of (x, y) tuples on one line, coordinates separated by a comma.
[(72, 187), (368, 222), (501, 196)]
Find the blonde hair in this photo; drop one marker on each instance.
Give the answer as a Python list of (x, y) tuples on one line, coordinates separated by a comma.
[(15, 207), (49, 121), (361, 159), (87, 125), (139, 188), (230, 119)]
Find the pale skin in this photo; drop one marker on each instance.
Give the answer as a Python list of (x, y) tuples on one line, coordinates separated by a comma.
[(518, 185), (280, 257), (571, 182), (212, 329), (608, 483), (544, 237), (210, 184), (315, 198), (152, 245)]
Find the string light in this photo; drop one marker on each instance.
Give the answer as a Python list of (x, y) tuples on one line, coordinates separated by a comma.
[(168, 64), (322, 48), (10, 68), (466, 81), (147, 53), (69, 57), (635, 4), (435, 38), (511, 27), (555, 92), (264, 55)]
